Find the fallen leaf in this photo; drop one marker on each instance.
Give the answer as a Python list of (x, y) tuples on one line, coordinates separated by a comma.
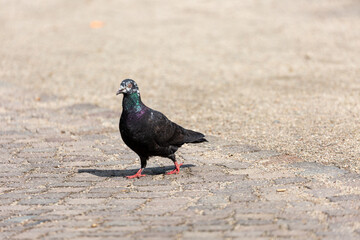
[(96, 24)]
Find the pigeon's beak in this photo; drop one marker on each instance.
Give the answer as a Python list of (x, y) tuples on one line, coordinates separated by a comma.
[(121, 90)]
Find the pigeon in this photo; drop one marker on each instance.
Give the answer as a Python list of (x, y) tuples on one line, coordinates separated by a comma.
[(148, 132)]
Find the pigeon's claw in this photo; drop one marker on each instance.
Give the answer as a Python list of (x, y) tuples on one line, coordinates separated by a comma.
[(137, 175), (176, 170), (173, 171)]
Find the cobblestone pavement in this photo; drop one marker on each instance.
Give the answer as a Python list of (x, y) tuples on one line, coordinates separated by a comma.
[(61, 177)]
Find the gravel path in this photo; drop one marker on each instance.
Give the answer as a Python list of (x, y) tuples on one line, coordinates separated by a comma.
[(62, 168)]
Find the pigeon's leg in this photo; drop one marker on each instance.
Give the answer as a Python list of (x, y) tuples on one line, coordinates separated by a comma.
[(137, 175), (143, 165), (177, 166)]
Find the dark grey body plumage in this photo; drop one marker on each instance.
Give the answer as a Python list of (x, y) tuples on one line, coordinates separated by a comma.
[(153, 134)]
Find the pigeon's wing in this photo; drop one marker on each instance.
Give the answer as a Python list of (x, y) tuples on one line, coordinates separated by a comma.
[(168, 133), (164, 131)]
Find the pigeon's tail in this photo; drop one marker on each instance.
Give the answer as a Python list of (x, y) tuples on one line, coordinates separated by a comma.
[(194, 137)]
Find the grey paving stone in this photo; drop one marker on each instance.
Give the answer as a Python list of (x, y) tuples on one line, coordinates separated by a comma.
[(235, 165), (249, 232), (233, 147), (69, 184), (155, 235), (302, 224), (311, 168), (202, 235), (212, 228), (348, 197), (39, 201), (172, 229), (260, 155), (141, 195), (214, 200), (252, 222), (120, 222), (20, 219), (285, 233), (291, 180), (249, 183), (243, 196), (324, 192)]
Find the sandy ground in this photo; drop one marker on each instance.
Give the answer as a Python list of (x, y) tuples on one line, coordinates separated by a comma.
[(283, 75)]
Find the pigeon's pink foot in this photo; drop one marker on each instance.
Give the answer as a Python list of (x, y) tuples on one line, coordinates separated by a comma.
[(176, 170), (137, 175)]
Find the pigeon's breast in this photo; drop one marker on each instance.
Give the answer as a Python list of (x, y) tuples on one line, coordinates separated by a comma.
[(134, 126)]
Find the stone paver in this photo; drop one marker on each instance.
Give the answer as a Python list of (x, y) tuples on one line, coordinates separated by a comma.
[(61, 177)]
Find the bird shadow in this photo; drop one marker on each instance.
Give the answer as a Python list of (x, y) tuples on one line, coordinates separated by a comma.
[(124, 173)]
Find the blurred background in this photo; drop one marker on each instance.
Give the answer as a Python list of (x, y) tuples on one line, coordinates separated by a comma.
[(279, 74)]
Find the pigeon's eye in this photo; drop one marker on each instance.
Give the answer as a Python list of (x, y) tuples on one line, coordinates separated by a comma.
[(129, 85)]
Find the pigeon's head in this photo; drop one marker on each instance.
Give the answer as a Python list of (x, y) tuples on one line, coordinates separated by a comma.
[(128, 86)]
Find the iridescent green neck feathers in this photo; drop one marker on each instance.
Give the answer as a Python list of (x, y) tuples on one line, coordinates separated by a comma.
[(132, 102)]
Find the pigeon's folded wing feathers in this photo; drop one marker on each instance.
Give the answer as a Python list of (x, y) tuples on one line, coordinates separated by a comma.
[(168, 133)]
